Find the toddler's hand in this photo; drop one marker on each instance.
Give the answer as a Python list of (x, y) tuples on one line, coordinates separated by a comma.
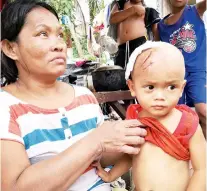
[(105, 176)]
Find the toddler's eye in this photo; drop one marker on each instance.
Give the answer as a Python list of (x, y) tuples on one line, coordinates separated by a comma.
[(150, 87), (172, 87)]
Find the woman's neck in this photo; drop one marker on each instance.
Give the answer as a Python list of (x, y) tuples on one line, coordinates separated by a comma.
[(38, 87)]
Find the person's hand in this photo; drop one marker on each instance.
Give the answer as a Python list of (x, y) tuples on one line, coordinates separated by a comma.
[(139, 10), (121, 136), (105, 176)]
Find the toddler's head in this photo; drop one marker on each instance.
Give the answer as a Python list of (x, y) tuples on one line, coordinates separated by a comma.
[(155, 76)]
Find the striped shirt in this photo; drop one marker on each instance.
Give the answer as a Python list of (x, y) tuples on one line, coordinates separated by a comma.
[(47, 132)]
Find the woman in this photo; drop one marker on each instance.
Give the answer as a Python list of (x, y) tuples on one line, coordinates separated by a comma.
[(48, 134)]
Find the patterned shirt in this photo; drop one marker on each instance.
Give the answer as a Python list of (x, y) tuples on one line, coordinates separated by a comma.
[(47, 132), (188, 35)]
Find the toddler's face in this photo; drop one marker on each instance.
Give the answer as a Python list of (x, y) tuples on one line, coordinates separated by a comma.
[(158, 86)]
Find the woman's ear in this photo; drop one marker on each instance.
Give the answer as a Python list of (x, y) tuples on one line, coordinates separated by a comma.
[(131, 87), (9, 49)]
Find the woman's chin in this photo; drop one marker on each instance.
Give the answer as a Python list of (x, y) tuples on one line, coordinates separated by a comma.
[(59, 71), (55, 75)]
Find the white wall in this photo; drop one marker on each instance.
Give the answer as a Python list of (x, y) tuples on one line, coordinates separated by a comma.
[(85, 9), (151, 3)]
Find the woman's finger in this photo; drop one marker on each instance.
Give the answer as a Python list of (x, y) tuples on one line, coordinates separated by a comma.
[(134, 140), (137, 131), (129, 149), (131, 123)]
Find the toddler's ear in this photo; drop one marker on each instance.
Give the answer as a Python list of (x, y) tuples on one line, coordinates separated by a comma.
[(183, 86), (131, 87)]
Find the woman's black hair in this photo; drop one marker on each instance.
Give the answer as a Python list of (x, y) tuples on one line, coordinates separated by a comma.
[(13, 18)]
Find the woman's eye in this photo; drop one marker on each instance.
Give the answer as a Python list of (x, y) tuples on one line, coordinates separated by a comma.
[(61, 35), (43, 34), (172, 87)]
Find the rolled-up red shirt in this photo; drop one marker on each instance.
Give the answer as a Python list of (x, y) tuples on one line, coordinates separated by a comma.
[(175, 144)]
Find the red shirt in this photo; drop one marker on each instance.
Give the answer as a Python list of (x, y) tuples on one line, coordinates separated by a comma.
[(176, 144)]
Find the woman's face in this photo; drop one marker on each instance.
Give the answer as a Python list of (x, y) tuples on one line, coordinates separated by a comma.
[(40, 49)]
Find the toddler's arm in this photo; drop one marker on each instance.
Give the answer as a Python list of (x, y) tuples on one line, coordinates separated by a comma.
[(197, 147), (120, 168)]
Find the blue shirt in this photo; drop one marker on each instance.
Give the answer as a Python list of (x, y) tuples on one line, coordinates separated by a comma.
[(187, 34)]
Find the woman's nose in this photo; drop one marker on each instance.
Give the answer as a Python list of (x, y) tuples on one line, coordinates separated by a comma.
[(59, 46)]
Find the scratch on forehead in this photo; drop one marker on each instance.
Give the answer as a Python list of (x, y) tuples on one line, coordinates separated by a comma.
[(144, 60)]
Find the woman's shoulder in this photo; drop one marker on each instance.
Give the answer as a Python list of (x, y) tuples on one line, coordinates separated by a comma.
[(6, 99), (84, 95), (80, 90)]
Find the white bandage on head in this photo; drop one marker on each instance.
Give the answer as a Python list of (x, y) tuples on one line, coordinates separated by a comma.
[(137, 52)]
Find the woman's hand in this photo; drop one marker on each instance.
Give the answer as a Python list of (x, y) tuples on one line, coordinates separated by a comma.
[(121, 136)]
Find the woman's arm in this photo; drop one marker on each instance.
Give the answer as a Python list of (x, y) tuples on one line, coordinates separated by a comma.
[(57, 173), (61, 171), (108, 159), (197, 147)]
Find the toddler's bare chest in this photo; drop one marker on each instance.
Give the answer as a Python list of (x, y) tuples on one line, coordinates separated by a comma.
[(154, 169)]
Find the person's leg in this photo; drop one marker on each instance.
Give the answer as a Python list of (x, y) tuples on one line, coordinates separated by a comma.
[(201, 111), (120, 58), (133, 44), (196, 96), (183, 98), (124, 51)]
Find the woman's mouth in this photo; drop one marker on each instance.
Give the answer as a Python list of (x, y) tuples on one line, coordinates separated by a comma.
[(59, 60)]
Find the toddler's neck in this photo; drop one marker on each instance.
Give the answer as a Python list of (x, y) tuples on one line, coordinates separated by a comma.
[(144, 113)]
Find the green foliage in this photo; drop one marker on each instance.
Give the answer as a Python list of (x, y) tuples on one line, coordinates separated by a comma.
[(95, 6), (64, 7), (66, 32), (69, 7), (75, 52)]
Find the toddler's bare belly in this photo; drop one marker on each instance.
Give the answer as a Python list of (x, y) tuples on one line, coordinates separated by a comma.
[(154, 170)]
